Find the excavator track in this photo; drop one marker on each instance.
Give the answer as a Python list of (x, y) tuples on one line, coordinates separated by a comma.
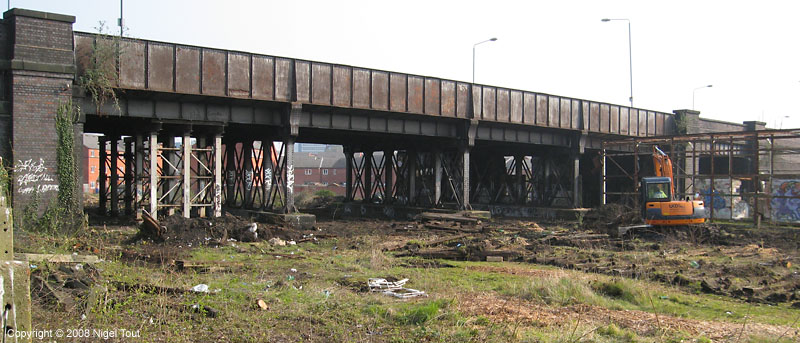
[(629, 231)]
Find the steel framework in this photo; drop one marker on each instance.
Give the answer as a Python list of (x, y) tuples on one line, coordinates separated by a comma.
[(740, 175)]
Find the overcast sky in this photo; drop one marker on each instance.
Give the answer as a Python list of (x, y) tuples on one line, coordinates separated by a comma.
[(750, 54)]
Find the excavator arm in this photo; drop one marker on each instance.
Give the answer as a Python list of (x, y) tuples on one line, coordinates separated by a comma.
[(663, 166)]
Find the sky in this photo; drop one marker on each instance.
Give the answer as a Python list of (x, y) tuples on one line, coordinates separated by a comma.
[(749, 53)]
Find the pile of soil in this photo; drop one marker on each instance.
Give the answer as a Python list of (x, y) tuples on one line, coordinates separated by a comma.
[(600, 219), (177, 230)]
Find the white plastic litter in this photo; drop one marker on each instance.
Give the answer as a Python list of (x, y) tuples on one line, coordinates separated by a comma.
[(393, 288), (201, 288)]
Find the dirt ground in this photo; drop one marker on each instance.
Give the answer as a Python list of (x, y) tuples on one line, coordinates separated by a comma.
[(734, 265), (734, 261)]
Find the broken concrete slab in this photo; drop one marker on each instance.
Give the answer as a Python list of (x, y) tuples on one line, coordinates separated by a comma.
[(300, 221), (494, 258)]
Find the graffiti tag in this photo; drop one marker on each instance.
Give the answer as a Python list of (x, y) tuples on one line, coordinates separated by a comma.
[(290, 179), (32, 177)]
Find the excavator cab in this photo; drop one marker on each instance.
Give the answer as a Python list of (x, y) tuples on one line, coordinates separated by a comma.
[(656, 189), (658, 207)]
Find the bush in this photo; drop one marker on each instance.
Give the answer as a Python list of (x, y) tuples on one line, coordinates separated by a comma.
[(616, 289), (324, 194)]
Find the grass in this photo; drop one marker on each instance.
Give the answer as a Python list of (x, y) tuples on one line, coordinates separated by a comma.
[(313, 305)]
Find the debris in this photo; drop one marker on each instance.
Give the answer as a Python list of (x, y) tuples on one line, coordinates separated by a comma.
[(456, 217), (494, 258), (393, 288), (151, 228), (205, 310), (439, 226), (206, 266), (694, 264), (57, 298), (262, 304), (56, 258), (250, 233), (277, 242), (200, 288), (434, 242)]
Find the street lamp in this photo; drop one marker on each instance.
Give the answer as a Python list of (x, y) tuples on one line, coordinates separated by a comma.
[(695, 91), (473, 55), (630, 53)]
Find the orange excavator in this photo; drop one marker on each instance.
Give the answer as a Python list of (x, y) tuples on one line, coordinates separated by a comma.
[(659, 206)]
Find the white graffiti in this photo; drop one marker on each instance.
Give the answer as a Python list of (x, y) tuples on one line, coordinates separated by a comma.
[(38, 189), (31, 166), (217, 200), (248, 180), (32, 176), (268, 178), (290, 179)]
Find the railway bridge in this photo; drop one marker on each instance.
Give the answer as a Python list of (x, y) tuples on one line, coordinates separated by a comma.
[(195, 129)]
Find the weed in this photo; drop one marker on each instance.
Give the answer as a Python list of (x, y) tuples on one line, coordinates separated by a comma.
[(561, 291), (422, 313), (100, 76), (617, 289), (615, 332)]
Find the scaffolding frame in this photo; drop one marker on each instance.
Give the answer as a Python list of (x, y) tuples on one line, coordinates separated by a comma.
[(740, 175)]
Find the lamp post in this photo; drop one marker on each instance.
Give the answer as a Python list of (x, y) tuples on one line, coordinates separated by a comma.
[(630, 52), (473, 55), (695, 91)]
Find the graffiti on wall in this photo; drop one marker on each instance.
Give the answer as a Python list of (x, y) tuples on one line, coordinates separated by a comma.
[(725, 206), (32, 177), (786, 200)]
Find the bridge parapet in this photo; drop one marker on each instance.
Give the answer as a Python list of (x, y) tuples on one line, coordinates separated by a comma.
[(174, 68)]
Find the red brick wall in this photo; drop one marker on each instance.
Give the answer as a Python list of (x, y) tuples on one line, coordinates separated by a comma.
[(335, 175), (42, 72)]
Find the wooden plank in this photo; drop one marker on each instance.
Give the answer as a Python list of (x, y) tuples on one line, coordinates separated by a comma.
[(448, 216)]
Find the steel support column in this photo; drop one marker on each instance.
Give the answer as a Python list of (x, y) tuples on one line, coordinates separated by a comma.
[(230, 172), (368, 176), (153, 144), (437, 187), (217, 202), (388, 157), (101, 179), (465, 205), (114, 180), (128, 176), (519, 161), (186, 172), (411, 159), (267, 170), (139, 166), (289, 186), (348, 158), (576, 180), (247, 171)]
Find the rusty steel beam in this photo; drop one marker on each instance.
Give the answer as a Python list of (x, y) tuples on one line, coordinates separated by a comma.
[(176, 68)]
